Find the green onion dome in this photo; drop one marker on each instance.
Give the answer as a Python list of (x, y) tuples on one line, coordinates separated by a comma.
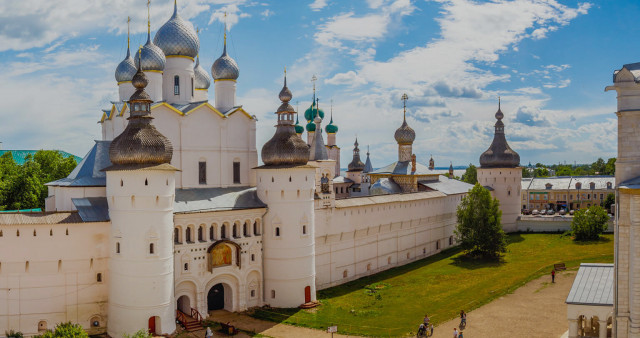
[(331, 128), (311, 112), (299, 128), (311, 127)]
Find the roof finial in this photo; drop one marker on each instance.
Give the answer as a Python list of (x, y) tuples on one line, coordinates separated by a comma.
[(148, 20), (314, 79), (331, 111), (367, 150), (404, 103), (225, 32), (128, 39), (285, 76), (498, 102), (318, 105)]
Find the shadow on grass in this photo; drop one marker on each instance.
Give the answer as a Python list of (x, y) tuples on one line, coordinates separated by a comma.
[(602, 239), (514, 238), (472, 263)]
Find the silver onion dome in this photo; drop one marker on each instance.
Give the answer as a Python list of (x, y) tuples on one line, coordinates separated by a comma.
[(499, 154), (405, 134), (202, 80), (225, 68), (126, 68), (152, 56), (177, 37), (285, 147)]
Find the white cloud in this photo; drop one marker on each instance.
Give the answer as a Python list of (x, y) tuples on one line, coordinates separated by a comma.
[(267, 13), (317, 5), (349, 78)]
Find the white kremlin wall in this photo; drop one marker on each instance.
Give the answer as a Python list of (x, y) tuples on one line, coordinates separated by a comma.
[(506, 185), (49, 274)]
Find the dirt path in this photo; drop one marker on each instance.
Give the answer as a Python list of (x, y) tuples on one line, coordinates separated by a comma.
[(534, 310)]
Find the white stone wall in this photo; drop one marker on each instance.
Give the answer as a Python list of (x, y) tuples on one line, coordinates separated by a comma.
[(154, 88), (49, 274), (125, 90), (506, 184), (364, 240), (60, 197), (201, 95), (225, 94)]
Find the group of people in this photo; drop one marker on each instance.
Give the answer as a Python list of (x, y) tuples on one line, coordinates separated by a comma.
[(426, 328)]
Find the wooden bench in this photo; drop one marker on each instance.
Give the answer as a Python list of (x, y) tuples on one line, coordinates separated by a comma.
[(559, 266), (228, 329)]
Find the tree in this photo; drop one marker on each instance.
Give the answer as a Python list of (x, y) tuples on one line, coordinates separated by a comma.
[(610, 167), (142, 333), (588, 224), (470, 175), (598, 166), (609, 201), (526, 172), (65, 330), (479, 230), (541, 172)]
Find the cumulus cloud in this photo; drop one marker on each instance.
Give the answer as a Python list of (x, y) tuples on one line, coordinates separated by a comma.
[(317, 5), (531, 117), (350, 78)]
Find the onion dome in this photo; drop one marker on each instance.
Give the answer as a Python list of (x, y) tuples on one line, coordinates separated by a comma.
[(225, 68), (499, 154), (331, 128), (140, 144), (356, 164), (311, 127), (313, 111), (152, 58), (202, 80), (126, 68), (405, 134), (177, 37), (299, 128), (285, 147)]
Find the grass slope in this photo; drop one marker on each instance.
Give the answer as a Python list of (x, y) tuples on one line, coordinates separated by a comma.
[(393, 302)]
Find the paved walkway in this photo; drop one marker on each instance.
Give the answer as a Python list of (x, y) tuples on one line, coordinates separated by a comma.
[(534, 310)]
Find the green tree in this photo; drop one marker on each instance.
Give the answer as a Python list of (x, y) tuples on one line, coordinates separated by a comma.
[(610, 167), (588, 224), (609, 201), (598, 166), (470, 175), (26, 187), (12, 333), (65, 330), (142, 333), (526, 173), (479, 230), (541, 172)]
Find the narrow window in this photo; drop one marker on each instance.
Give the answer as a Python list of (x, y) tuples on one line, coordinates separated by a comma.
[(188, 235), (118, 247), (223, 231), (26, 267), (146, 181), (176, 85), (277, 232), (304, 229), (273, 293), (202, 172), (253, 293), (211, 232), (437, 245), (345, 274), (235, 231), (151, 249), (176, 235), (201, 234), (451, 240), (253, 257), (50, 232), (245, 231), (191, 87), (34, 232), (99, 277), (186, 266), (236, 172)]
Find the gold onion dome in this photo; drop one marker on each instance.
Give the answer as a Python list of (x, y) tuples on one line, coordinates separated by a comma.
[(285, 147), (140, 144), (177, 37), (499, 154), (202, 80)]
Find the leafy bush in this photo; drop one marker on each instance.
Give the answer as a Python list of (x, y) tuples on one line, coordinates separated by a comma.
[(13, 334), (65, 330), (142, 333), (589, 223)]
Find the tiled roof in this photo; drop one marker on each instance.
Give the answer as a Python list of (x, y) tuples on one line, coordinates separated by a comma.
[(216, 199), (39, 218), (448, 186), (593, 285), (404, 168)]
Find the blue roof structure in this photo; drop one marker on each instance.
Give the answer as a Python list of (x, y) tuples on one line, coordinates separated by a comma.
[(92, 209), (216, 199), (447, 186), (593, 285), (88, 173)]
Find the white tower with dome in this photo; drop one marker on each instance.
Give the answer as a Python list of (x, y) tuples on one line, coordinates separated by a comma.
[(286, 184), (152, 61), (140, 190), (225, 73)]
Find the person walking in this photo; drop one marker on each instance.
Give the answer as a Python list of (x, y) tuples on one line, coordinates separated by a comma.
[(208, 334), (426, 320), (553, 276), (455, 332), (463, 318)]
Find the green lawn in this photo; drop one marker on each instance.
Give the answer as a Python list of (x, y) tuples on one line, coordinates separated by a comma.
[(440, 285)]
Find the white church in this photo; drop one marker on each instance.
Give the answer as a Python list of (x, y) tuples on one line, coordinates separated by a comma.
[(170, 216)]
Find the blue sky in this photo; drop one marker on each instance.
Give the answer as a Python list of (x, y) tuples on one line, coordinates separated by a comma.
[(548, 60)]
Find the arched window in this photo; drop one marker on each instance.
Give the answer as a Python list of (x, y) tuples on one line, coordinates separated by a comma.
[(223, 231), (592, 185), (212, 232), (176, 85), (235, 231), (245, 229), (186, 266), (201, 234), (256, 231), (345, 274), (578, 185), (99, 277), (176, 235), (189, 235)]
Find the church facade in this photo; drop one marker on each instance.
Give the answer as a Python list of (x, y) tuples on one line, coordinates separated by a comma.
[(171, 215)]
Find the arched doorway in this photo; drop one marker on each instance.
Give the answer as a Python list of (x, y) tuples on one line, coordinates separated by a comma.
[(184, 304), (154, 325), (215, 298)]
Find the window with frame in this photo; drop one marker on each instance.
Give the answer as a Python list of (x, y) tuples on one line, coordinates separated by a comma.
[(202, 172), (176, 85), (192, 87), (236, 172)]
